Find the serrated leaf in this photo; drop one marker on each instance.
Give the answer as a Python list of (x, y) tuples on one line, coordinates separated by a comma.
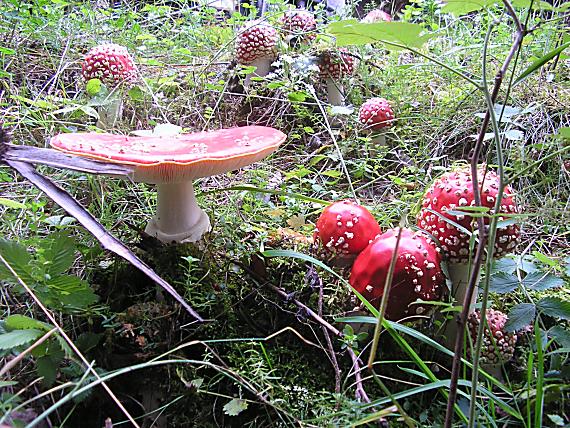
[(19, 260), (58, 253), (16, 338), (235, 407), (554, 307), (560, 335), (461, 7), (47, 368), (71, 291), (503, 282), (10, 203), (539, 281), (22, 322), (520, 316), (540, 62), (351, 32), (504, 264)]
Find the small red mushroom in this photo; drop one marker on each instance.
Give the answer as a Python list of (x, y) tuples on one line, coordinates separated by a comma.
[(346, 228), (376, 114), (300, 25), (113, 65), (417, 273), (498, 345), (376, 15), (335, 65), (256, 44)]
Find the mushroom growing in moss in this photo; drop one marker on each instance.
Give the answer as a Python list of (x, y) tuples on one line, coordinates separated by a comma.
[(377, 115), (345, 228), (417, 273), (172, 162), (112, 65)]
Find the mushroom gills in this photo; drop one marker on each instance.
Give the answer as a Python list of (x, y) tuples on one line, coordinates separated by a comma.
[(178, 217)]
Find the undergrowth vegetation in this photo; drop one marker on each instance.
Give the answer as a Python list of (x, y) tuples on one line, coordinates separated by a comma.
[(87, 340)]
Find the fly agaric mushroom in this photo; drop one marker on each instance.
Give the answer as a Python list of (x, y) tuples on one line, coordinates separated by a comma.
[(417, 273), (172, 162), (346, 228), (113, 65), (376, 15), (300, 26), (256, 45), (376, 114), (453, 191), (335, 65), (498, 345)]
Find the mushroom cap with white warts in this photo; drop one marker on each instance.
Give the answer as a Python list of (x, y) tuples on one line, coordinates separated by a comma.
[(417, 273), (176, 158), (337, 64), (498, 345), (376, 113), (299, 23), (376, 15), (110, 63), (255, 40), (453, 191)]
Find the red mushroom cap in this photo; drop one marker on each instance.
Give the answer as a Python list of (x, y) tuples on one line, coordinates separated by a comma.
[(182, 157), (499, 348), (299, 23), (376, 113), (109, 62), (453, 190), (256, 40), (345, 227), (376, 15), (417, 273), (336, 64)]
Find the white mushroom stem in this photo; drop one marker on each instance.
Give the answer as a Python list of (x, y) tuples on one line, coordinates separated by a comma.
[(263, 65), (178, 217), (459, 276), (334, 92), (110, 113)]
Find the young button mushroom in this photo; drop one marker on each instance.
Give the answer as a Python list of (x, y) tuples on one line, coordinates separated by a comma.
[(450, 192), (417, 273), (377, 115), (172, 162), (376, 15), (345, 229), (113, 65), (335, 65), (498, 345), (256, 45), (299, 25)]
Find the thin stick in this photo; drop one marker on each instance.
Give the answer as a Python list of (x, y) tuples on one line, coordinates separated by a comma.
[(10, 364)]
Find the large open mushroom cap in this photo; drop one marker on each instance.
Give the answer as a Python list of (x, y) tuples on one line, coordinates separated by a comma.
[(161, 159)]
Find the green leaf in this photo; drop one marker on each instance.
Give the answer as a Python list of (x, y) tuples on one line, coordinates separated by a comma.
[(540, 62), (16, 338), (554, 307), (539, 281), (560, 335), (536, 5), (352, 32), (71, 291), (18, 259), (10, 203), (461, 7), (58, 253), (235, 407), (47, 368), (22, 322), (503, 282), (564, 133), (520, 316)]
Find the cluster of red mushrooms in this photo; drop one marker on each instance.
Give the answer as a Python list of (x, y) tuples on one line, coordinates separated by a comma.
[(348, 231)]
